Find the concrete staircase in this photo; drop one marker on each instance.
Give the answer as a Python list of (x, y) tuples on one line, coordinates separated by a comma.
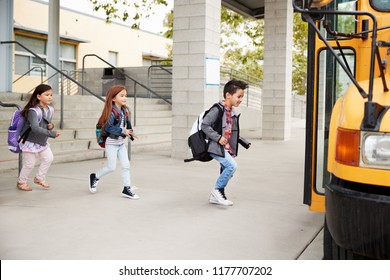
[(77, 141)]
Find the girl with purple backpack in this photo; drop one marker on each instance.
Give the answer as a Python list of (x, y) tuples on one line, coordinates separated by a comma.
[(35, 140)]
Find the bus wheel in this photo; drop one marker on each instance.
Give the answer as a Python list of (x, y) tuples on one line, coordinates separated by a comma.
[(334, 252)]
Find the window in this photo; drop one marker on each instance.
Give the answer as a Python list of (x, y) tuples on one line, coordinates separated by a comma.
[(342, 23), (67, 57), (332, 84), (381, 5), (25, 61), (113, 58)]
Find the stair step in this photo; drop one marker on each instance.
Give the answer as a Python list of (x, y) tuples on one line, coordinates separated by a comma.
[(65, 135)]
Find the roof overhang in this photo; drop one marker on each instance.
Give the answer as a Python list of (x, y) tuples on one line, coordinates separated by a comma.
[(249, 8), (27, 30)]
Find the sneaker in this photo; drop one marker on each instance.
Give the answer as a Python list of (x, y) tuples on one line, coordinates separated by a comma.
[(93, 182), (218, 197), (128, 192), (213, 200)]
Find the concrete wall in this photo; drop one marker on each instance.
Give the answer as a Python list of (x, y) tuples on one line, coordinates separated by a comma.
[(277, 69), (298, 106), (196, 37)]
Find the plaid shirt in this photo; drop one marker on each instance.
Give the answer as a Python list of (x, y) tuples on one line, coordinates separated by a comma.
[(228, 128)]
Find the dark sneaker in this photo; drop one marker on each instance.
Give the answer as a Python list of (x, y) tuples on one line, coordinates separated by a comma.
[(93, 182), (218, 197), (128, 192)]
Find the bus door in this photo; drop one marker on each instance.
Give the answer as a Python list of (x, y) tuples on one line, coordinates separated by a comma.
[(327, 81)]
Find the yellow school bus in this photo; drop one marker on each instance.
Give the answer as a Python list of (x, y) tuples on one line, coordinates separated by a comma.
[(347, 153)]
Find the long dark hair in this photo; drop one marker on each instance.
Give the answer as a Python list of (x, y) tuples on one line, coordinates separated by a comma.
[(111, 93), (34, 98)]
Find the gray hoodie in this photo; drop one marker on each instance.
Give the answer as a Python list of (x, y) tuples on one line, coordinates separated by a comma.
[(39, 132)]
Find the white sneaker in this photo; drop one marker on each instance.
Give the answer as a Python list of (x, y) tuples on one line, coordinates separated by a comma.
[(218, 197), (213, 200)]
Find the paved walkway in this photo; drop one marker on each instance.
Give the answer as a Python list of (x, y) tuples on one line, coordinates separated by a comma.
[(173, 219)]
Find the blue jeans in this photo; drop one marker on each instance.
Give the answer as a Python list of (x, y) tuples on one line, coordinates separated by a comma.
[(228, 167), (113, 152)]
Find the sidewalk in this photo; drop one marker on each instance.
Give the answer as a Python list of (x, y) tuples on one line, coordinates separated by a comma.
[(172, 219)]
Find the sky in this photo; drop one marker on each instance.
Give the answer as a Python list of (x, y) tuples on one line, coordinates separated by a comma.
[(152, 24)]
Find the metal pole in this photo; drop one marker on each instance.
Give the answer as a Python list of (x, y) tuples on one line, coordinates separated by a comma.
[(6, 52)]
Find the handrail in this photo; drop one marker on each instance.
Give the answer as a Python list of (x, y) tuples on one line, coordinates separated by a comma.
[(241, 75), (44, 81), (250, 80), (35, 67), (162, 67), (19, 108), (126, 75), (73, 73), (129, 77), (57, 70)]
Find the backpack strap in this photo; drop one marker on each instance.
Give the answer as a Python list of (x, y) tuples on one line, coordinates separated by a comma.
[(217, 126), (51, 111), (38, 111), (220, 107), (116, 113)]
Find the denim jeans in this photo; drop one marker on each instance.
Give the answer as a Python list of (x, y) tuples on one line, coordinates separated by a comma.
[(228, 167), (113, 152)]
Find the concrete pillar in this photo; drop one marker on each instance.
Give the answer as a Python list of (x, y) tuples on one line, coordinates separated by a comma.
[(196, 35), (6, 50), (277, 69), (53, 43)]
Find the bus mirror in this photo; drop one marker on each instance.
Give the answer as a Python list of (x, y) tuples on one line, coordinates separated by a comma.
[(318, 3)]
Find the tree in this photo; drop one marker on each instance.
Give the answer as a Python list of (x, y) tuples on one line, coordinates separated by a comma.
[(168, 23), (242, 43), (118, 9), (248, 58), (299, 55)]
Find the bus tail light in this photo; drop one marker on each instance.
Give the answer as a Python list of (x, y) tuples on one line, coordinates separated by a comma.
[(347, 146)]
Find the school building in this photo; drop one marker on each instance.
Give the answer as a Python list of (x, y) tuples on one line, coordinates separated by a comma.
[(79, 34)]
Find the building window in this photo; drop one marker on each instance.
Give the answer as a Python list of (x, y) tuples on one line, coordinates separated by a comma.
[(25, 61), (68, 57), (113, 58)]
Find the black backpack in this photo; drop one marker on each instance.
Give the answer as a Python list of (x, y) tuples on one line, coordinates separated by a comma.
[(197, 141)]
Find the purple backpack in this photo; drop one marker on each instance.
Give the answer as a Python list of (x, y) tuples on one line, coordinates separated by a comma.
[(16, 126)]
